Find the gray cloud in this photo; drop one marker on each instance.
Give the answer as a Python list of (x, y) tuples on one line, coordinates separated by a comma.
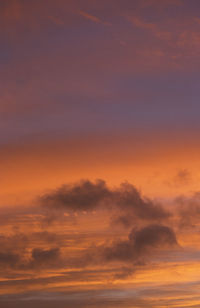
[(125, 200), (42, 258), (141, 244), (35, 251), (82, 196), (9, 259), (38, 259)]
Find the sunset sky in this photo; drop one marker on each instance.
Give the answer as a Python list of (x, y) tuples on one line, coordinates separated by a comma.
[(100, 154)]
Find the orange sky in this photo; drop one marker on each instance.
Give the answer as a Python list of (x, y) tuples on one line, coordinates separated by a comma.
[(160, 168)]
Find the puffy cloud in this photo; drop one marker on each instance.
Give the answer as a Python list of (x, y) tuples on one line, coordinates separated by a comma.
[(78, 197), (125, 201), (141, 244)]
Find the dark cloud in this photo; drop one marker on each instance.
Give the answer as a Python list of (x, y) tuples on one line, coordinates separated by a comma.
[(125, 200), (82, 196), (153, 236), (141, 244), (44, 258), (22, 260), (135, 251), (133, 205), (9, 259), (14, 242), (42, 250), (39, 250)]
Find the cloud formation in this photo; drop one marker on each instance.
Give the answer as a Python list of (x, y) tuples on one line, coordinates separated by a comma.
[(9, 259), (44, 258), (39, 259), (141, 244), (125, 201)]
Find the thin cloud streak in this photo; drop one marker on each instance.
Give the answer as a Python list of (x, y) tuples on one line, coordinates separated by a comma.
[(94, 18)]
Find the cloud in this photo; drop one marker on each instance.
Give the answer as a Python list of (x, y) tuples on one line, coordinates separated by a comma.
[(32, 251), (42, 258), (9, 259), (149, 26), (177, 294), (188, 210), (104, 298), (138, 22), (132, 255), (93, 18), (125, 202), (133, 205), (82, 196), (141, 244)]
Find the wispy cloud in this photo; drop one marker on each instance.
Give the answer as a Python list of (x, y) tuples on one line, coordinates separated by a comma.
[(149, 26), (94, 18)]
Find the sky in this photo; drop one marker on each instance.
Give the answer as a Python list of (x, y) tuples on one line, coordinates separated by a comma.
[(99, 153)]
